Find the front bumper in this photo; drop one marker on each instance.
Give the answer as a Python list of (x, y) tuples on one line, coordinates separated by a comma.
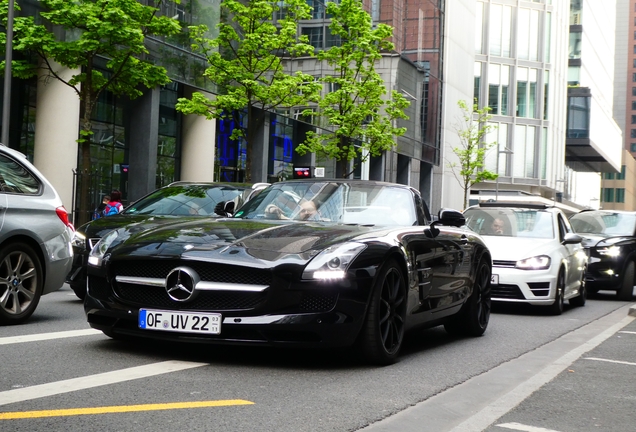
[(535, 287), (275, 322)]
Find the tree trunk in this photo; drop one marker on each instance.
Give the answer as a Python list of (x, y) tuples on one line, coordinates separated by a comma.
[(342, 165), (251, 133)]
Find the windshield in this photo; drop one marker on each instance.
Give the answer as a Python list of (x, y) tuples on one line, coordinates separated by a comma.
[(184, 200), (349, 203), (604, 223), (510, 222)]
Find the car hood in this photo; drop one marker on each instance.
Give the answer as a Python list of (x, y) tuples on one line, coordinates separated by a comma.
[(220, 240), (517, 248), (98, 228), (593, 240)]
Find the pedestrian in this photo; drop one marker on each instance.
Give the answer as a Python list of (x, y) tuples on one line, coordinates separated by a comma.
[(99, 210), (114, 206)]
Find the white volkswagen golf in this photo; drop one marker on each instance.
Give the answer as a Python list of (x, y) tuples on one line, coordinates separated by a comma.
[(537, 258)]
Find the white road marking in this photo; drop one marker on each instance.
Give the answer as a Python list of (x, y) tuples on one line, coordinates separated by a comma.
[(47, 336), (628, 332), (507, 402), (86, 382), (521, 427), (610, 361)]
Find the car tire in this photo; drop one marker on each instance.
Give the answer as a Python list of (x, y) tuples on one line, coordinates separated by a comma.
[(580, 299), (382, 332), (557, 307), (474, 316), (626, 289), (21, 283)]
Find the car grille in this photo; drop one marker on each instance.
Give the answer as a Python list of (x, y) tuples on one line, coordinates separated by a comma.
[(540, 289), (219, 300), (315, 302), (210, 272), (99, 288), (157, 297), (502, 263), (507, 292)]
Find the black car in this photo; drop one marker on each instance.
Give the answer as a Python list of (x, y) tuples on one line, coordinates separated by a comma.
[(179, 199), (609, 237), (329, 263)]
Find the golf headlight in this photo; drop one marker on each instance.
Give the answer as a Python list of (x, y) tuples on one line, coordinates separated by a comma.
[(612, 251), (541, 262), (97, 254), (333, 262), (78, 240)]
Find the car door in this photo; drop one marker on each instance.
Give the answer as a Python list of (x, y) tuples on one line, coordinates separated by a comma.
[(570, 252)]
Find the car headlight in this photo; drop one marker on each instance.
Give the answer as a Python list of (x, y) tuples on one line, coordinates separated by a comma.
[(541, 262), (79, 240), (333, 262), (612, 251), (97, 253)]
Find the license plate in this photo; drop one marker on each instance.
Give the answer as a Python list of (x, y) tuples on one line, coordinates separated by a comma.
[(494, 279), (184, 322)]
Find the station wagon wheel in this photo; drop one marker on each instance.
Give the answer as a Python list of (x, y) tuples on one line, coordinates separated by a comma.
[(626, 289), (21, 283), (383, 330), (557, 307), (473, 319)]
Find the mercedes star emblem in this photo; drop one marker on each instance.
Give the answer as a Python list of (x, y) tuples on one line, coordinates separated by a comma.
[(181, 283)]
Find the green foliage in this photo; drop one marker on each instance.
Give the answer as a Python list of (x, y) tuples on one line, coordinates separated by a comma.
[(246, 63), (472, 152), (360, 116)]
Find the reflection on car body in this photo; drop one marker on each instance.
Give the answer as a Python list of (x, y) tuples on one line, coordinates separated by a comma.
[(537, 259), (609, 237), (162, 206), (353, 276)]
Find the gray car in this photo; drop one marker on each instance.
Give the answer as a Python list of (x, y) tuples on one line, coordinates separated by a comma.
[(35, 237)]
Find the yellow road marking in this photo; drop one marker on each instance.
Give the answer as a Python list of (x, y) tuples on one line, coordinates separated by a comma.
[(120, 409)]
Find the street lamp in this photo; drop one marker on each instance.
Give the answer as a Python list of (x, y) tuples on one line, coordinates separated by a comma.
[(505, 150)]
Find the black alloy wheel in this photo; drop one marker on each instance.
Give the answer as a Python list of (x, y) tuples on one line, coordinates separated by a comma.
[(626, 289), (383, 330), (21, 283), (580, 299), (557, 307), (474, 317)]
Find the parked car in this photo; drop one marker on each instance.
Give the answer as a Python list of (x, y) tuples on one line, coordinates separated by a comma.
[(537, 258), (349, 263), (35, 238), (177, 200), (609, 236)]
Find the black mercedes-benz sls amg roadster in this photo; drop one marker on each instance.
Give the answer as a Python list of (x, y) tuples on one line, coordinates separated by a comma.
[(307, 263)]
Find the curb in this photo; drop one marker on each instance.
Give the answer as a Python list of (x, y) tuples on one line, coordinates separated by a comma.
[(632, 311)]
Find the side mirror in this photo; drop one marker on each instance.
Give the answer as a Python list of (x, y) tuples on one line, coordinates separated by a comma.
[(451, 217), (571, 238)]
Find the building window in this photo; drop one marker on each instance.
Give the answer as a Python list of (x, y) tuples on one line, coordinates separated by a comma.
[(608, 195), (528, 34), (500, 24), (633, 105), (546, 92), (621, 175), (314, 34), (634, 119), (620, 195), (578, 117), (634, 77), (632, 133), (498, 88), (477, 95), (525, 154), (575, 45), (632, 147), (633, 91), (608, 176), (479, 28), (526, 92)]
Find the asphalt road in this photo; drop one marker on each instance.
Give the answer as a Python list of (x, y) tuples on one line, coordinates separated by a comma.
[(55, 380)]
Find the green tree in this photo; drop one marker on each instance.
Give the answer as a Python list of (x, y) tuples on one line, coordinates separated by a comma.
[(361, 119), (114, 30), (246, 63), (471, 152)]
